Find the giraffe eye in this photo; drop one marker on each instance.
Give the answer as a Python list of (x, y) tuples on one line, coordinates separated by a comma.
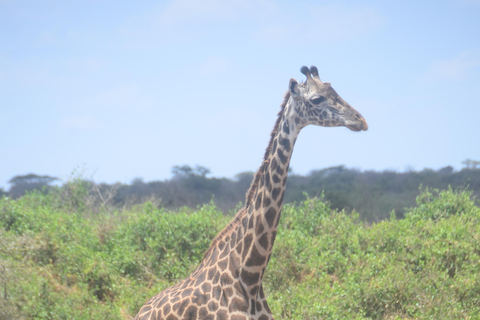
[(318, 100)]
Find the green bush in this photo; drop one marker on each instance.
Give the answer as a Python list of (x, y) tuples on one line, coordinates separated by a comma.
[(60, 263)]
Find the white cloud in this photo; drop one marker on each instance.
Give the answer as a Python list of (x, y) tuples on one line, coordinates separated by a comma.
[(453, 69)]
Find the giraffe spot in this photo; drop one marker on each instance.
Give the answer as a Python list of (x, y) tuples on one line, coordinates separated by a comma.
[(221, 245), (275, 193), (274, 235), (223, 299), (284, 181), (259, 306), (270, 216), (187, 293), (233, 240), (245, 223), (228, 292), (239, 233), (163, 301), (200, 278), (191, 313), (146, 308), (211, 273), (286, 144), (250, 222), (281, 156), (250, 278), (280, 171), (273, 164), (223, 264), (260, 227), (258, 201), (146, 316), (240, 290), (274, 147), (262, 294), (263, 317), (278, 221), (268, 181), (233, 266), (216, 278), (247, 243), (203, 313), (166, 308), (237, 317), (214, 255), (252, 307), (297, 120), (254, 290), (265, 305), (226, 279), (183, 305), (217, 291), (275, 179), (206, 287), (185, 284), (255, 259), (221, 315), (225, 251), (266, 200), (199, 298), (171, 317), (286, 127), (212, 306), (263, 241), (239, 247)]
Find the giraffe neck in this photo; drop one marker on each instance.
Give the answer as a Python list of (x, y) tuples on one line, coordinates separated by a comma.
[(265, 198), (242, 250)]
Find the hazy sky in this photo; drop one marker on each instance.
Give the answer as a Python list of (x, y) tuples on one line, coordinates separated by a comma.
[(127, 89)]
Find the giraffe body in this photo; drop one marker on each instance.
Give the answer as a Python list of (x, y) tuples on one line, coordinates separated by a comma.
[(228, 282)]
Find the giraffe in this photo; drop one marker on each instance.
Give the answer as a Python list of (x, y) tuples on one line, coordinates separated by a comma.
[(228, 282)]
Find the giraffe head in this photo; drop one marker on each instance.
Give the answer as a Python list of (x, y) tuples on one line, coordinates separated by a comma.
[(316, 102)]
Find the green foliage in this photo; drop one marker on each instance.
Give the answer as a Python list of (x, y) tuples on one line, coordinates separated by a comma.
[(58, 261), (372, 194)]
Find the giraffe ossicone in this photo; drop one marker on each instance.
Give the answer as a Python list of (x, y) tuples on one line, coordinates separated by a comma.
[(228, 282)]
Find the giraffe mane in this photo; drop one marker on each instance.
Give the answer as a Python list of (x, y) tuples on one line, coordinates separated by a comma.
[(253, 187), (259, 173)]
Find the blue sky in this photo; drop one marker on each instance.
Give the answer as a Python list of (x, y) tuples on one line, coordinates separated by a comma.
[(124, 89)]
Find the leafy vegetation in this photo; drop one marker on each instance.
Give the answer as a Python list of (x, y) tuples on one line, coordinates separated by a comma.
[(65, 256), (372, 194)]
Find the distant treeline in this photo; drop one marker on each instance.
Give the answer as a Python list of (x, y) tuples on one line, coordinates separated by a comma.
[(372, 194)]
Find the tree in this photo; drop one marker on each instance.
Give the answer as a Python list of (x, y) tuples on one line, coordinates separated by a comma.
[(186, 171), (470, 164), (21, 184)]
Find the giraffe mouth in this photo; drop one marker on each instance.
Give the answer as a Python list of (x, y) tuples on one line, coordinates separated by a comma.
[(362, 126)]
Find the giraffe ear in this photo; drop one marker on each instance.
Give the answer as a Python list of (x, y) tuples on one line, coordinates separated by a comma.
[(293, 87)]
